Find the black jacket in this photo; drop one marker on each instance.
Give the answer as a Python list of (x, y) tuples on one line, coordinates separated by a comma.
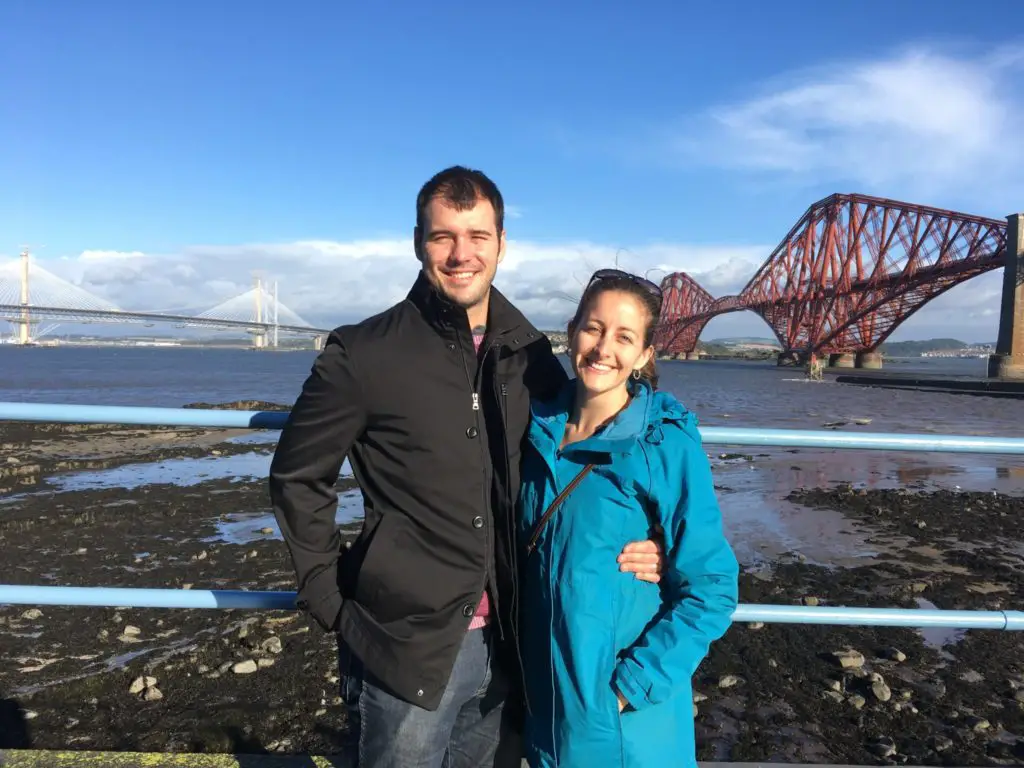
[(434, 440)]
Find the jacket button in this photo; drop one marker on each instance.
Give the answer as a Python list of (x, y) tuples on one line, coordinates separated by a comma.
[(478, 522), (451, 347), (468, 610), (419, 692), (471, 433)]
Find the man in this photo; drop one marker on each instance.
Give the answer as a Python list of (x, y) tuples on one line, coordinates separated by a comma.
[(430, 400)]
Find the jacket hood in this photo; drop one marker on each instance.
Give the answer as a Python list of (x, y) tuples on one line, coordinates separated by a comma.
[(645, 417)]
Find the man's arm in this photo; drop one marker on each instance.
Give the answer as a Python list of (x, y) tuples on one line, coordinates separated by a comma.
[(324, 423)]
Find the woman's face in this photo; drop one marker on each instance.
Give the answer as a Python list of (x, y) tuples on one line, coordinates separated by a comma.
[(608, 344)]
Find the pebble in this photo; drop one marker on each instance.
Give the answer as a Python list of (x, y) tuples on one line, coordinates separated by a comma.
[(849, 659), (32, 614), (918, 587), (881, 690), (728, 681), (272, 645), (857, 701), (152, 694), (695, 710), (941, 743), (834, 695), (131, 631), (811, 601), (246, 667), (321, 712), (139, 684), (883, 747), (698, 697), (893, 654), (978, 724), (266, 531), (264, 663), (755, 625)]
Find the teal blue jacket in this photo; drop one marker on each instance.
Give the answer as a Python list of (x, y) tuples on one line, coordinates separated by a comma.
[(588, 629)]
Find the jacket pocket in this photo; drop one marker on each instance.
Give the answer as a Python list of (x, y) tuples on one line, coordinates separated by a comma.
[(401, 576)]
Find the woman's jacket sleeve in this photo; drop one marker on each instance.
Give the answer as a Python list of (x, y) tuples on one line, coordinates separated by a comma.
[(699, 578)]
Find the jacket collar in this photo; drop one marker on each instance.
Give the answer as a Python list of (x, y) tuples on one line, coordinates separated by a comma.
[(503, 319), (619, 436)]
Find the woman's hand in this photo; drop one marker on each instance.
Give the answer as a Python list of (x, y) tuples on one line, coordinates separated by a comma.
[(643, 559)]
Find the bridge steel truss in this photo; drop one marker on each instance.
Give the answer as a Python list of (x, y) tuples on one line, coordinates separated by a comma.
[(845, 276), (15, 313)]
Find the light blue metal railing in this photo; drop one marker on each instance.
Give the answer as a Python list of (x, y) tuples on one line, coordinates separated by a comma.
[(246, 600)]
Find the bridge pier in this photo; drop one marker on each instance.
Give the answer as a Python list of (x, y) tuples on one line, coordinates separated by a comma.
[(868, 360), (842, 360), (1008, 361), (789, 357), (695, 355)]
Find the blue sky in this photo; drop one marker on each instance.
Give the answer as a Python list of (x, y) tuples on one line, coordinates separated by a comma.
[(158, 153)]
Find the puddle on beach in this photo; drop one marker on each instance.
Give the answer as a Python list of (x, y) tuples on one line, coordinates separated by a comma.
[(183, 472), (762, 525), (245, 528), (255, 438), (938, 637)]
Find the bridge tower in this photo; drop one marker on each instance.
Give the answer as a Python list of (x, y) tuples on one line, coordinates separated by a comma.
[(1008, 361), (259, 336), (25, 322)]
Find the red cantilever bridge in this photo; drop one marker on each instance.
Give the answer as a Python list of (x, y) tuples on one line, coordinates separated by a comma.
[(845, 276)]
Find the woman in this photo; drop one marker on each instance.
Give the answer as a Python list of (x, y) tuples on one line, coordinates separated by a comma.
[(609, 660)]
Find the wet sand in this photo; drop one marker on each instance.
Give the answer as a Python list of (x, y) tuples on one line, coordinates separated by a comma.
[(127, 679)]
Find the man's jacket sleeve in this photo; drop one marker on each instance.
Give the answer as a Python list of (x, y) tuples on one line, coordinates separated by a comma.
[(701, 577), (324, 423)]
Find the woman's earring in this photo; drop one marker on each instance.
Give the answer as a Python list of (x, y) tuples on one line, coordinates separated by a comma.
[(636, 374)]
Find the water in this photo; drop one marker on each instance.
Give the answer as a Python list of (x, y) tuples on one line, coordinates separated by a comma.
[(760, 523), (243, 528), (184, 472)]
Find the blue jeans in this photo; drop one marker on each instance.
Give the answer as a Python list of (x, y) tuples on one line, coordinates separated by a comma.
[(466, 730)]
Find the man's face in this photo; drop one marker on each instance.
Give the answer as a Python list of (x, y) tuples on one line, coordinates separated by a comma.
[(460, 250)]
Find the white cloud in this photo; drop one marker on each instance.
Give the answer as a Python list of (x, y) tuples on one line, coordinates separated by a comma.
[(920, 123), (108, 256), (330, 282)]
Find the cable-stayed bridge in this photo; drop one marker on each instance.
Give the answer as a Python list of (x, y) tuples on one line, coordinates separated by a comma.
[(30, 294)]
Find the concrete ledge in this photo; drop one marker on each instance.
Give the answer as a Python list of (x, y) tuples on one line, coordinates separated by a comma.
[(32, 758)]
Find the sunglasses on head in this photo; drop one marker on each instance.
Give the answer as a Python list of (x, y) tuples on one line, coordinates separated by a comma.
[(618, 274)]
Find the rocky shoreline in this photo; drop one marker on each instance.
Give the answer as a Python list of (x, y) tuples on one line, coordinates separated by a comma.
[(265, 681)]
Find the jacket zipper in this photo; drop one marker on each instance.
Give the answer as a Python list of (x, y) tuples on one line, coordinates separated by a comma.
[(475, 393)]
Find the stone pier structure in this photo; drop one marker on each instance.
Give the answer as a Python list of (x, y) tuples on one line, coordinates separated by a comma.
[(842, 360), (868, 360), (1008, 361)]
